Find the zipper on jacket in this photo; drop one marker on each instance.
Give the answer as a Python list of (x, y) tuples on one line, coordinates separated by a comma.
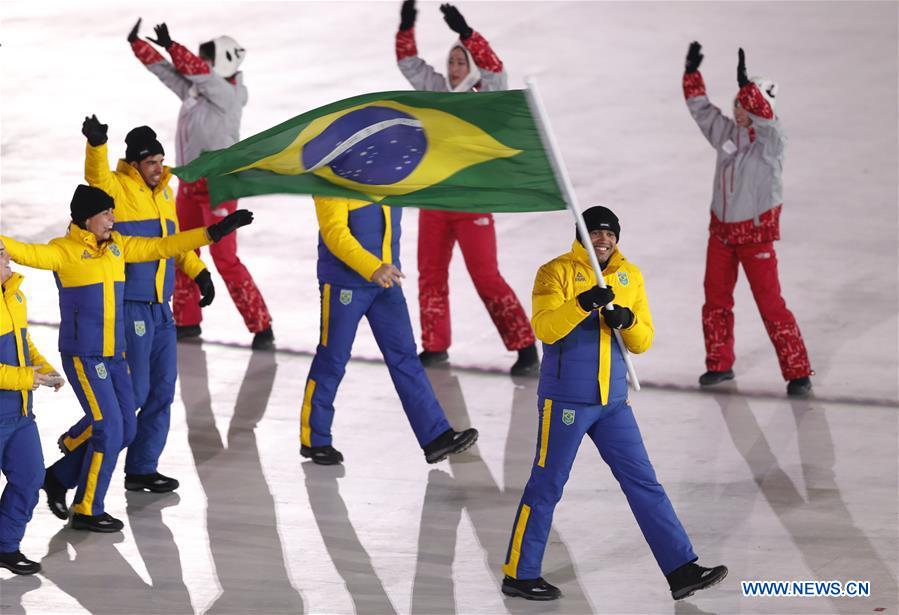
[(76, 323), (559, 363)]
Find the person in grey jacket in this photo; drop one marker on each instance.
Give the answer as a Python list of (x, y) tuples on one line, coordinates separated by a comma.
[(747, 197), (471, 66), (213, 97)]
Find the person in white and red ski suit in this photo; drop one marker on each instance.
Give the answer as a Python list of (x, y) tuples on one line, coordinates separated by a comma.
[(745, 222), (472, 66), (213, 96)]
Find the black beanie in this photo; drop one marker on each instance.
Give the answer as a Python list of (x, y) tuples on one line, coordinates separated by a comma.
[(141, 142), (601, 218), (89, 201)]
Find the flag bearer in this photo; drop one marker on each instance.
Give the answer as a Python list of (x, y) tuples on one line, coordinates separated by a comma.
[(22, 370), (583, 390), (359, 275), (89, 266)]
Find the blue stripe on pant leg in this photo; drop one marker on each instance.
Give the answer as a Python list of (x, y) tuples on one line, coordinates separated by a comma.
[(329, 364), (154, 415), (23, 465), (618, 439), (392, 328)]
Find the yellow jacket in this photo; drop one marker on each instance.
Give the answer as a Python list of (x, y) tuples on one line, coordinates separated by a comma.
[(91, 280), (574, 360), (18, 354), (143, 212)]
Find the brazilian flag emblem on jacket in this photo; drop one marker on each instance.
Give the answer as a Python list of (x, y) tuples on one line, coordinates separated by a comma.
[(467, 152)]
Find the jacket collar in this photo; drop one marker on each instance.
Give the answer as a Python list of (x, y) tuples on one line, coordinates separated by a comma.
[(12, 284), (579, 253), (86, 238), (126, 169)]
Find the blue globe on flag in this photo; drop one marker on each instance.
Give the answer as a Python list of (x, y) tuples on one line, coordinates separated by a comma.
[(373, 145)]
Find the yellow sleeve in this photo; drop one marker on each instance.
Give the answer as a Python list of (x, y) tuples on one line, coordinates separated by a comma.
[(37, 359), (40, 256), (15, 378), (333, 215), (97, 172), (190, 264), (638, 337), (143, 249), (555, 316)]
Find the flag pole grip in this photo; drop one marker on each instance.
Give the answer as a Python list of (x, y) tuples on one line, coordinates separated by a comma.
[(561, 172)]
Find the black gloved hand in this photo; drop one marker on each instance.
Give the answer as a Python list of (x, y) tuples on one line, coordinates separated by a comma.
[(455, 21), (595, 298), (162, 36), (407, 15), (94, 130), (694, 58), (619, 318), (132, 36), (229, 224), (207, 289), (742, 79)]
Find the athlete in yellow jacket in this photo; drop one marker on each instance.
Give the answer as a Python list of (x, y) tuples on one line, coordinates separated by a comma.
[(89, 265)]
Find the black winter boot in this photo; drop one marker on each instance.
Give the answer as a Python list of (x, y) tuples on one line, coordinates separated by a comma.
[(56, 495), (692, 577), (530, 589), (18, 563), (528, 363), (449, 443), (103, 523), (799, 387), (155, 482), (712, 378), (188, 332), (322, 455), (433, 359), (264, 340)]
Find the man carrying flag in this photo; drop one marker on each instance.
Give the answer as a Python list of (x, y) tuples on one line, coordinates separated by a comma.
[(359, 275)]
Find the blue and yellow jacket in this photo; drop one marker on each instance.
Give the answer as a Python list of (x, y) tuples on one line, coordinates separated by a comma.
[(18, 355), (91, 280), (141, 212), (581, 359), (355, 238)]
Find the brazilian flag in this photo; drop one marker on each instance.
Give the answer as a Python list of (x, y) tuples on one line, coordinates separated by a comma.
[(479, 152)]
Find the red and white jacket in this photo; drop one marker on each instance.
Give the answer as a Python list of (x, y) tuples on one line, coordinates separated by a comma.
[(747, 193), (211, 105), (422, 75)]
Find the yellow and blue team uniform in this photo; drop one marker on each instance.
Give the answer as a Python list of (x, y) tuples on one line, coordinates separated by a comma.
[(583, 390), (149, 329), (355, 239), (20, 445), (91, 282)]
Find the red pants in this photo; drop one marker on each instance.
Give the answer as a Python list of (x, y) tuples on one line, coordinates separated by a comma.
[(438, 232), (760, 264), (194, 211)]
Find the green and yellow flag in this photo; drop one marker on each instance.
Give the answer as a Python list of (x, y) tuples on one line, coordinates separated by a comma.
[(464, 152)]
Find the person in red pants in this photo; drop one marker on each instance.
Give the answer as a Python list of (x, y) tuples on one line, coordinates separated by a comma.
[(213, 96), (472, 66), (745, 222)]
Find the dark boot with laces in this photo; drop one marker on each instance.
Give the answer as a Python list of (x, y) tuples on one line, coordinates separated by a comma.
[(692, 577), (530, 589), (449, 443), (155, 482), (103, 523), (18, 563), (322, 455)]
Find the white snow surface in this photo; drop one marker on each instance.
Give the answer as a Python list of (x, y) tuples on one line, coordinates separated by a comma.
[(610, 74)]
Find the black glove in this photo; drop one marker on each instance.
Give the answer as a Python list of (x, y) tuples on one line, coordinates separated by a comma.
[(94, 130), (595, 298), (207, 289), (742, 79), (407, 15), (619, 318), (229, 224), (162, 36), (132, 36), (694, 58), (455, 21)]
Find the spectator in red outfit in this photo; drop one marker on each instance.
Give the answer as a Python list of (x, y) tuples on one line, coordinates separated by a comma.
[(471, 66), (213, 96), (746, 206)]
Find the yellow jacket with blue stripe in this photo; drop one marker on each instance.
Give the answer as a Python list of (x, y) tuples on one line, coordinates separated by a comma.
[(581, 360), (141, 211), (355, 238), (91, 280), (18, 355)]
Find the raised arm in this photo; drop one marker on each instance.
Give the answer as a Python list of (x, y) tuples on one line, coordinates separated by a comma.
[(760, 107), (715, 126), (333, 220), (156, 64), (417, 72), (96, 162)]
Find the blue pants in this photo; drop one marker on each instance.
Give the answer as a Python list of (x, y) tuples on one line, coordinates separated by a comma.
[(388, 315), (614, 431), (103, 387), (23, 465), (152, 357)]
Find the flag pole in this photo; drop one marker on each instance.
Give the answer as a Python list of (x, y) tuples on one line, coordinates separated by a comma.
[(561, 173)]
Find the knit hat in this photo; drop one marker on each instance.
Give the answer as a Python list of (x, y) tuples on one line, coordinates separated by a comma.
[(89, 201), (141, 142), (601, 218)]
